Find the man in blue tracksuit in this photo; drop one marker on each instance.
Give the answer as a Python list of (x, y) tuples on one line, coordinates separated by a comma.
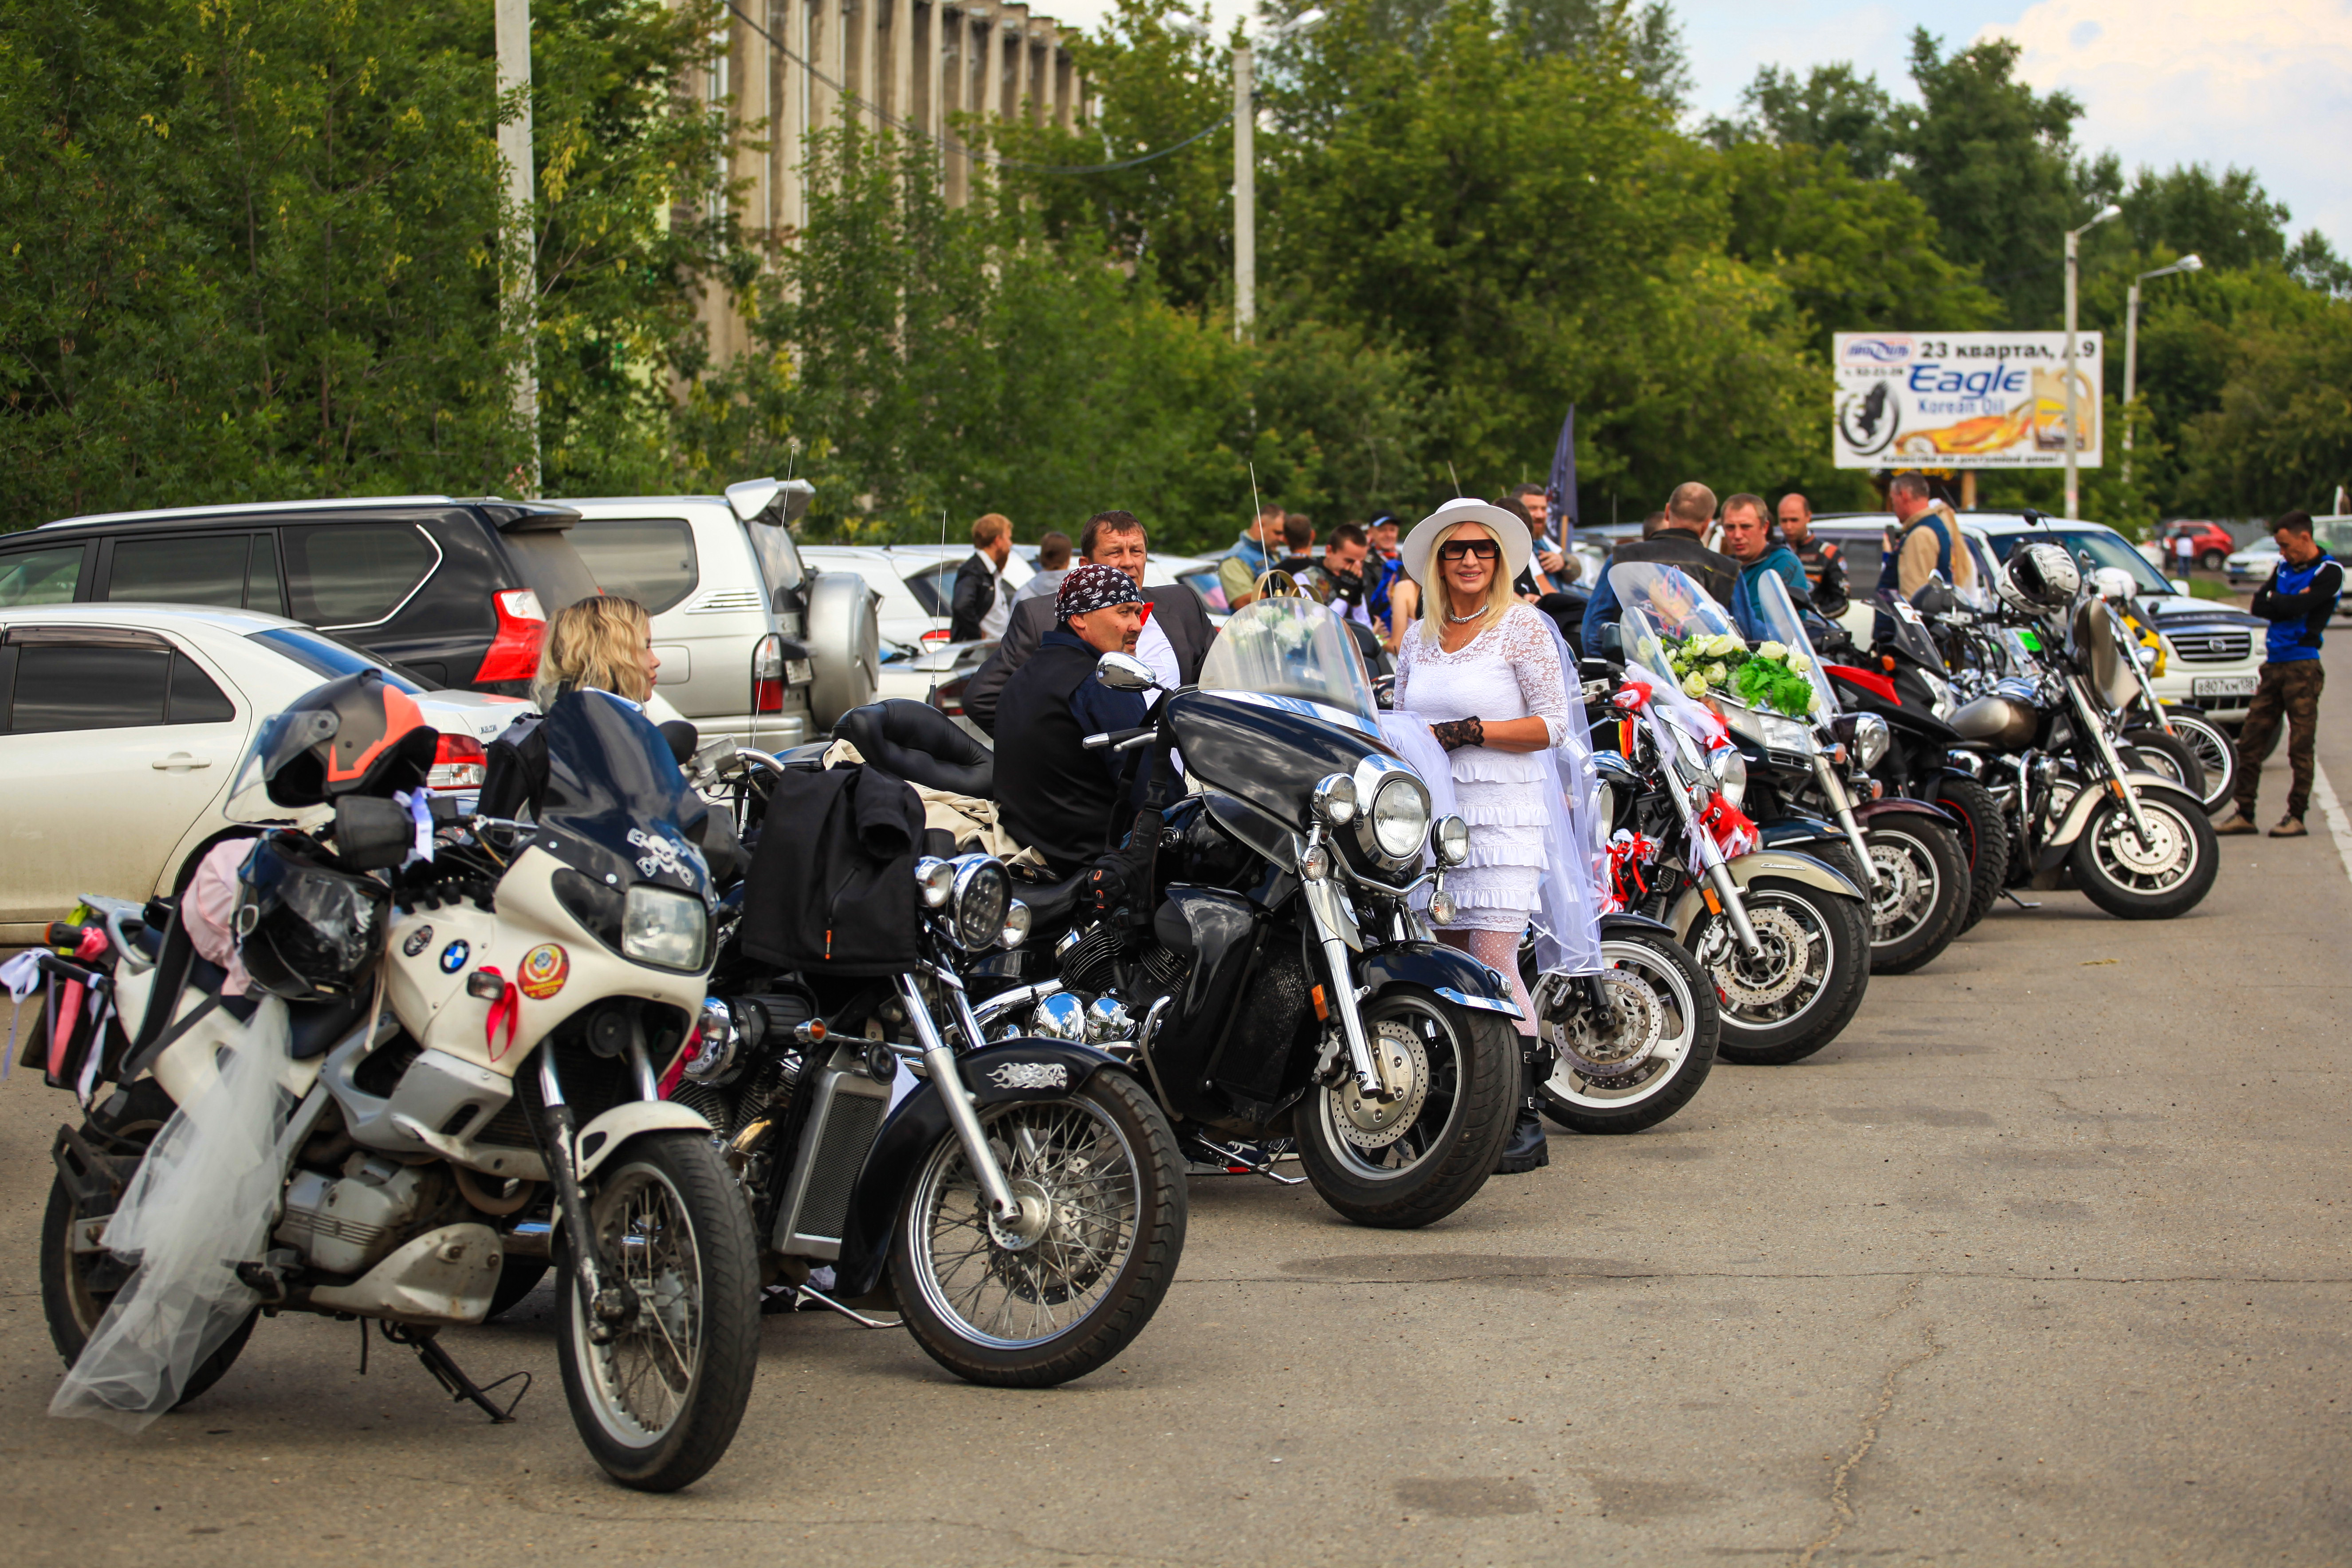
[(1748, 540), (2297, 601)]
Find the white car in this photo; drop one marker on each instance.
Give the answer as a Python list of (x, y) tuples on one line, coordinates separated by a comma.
[(120, 726)]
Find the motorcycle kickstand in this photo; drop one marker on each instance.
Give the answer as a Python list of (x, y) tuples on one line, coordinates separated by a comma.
[(2021, 903), (1260, 1168), (854, 1316), (452, 1377)]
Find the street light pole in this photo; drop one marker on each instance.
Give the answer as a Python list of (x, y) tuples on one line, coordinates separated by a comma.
[(1244, 193), (2073, 437), (2131, 345), (513, 30)]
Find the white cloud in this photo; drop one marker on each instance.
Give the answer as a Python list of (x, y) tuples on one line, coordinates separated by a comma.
[(2259, 83)]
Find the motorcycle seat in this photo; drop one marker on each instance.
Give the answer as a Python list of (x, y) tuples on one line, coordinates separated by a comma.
[(1050, 903), (317, 1027), (916, 742)]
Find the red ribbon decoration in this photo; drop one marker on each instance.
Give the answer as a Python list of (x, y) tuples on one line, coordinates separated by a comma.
[(1627, 854), (508, 1007), (1733, 831)]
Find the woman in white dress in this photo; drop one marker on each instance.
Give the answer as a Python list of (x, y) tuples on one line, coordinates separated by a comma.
[(1484, 670)]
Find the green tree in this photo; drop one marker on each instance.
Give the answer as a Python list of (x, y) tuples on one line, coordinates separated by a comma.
[(1830, 106)]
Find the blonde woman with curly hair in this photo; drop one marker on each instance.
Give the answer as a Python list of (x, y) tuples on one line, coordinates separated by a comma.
[(603, 644)]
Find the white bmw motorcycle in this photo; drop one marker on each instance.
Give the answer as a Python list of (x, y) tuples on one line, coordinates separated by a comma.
[(466, 1092)]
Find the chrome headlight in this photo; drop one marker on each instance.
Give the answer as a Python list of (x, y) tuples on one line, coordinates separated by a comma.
[(982, 895), (716, 1040), (665, 927), (1729, 769), (1451, 838), (1400, 816), (937, 878), (1335, 799), (1870, 739), (1773, 732), (1017, 925)]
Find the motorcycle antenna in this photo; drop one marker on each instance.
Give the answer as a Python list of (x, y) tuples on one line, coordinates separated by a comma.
[(1257, 507), (1454, 477), (792, 455)]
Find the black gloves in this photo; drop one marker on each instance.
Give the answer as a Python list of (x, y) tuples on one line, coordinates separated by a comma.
[(1121, 880), (1456, 733)]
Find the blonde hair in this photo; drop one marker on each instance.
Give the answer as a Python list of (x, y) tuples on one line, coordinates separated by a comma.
[(1435, 598), (598, 643)]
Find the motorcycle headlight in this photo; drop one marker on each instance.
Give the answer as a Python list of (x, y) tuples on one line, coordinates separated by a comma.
[(665, 927), (1335, 800), (1017, 925), (1400, 816), (1773, 732), (983, 894), (1870, 739), (937, 878), (1729, 771), (1452, 837)]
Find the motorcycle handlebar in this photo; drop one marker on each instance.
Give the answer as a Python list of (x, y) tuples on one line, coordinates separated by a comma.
[(1120, 739)]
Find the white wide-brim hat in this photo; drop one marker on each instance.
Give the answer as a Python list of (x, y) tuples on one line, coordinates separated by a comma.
[(1509, 532)]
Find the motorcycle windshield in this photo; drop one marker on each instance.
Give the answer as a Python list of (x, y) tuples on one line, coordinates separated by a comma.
[(1910, 630), (616, 799), (1294, 651), (1777, 613)]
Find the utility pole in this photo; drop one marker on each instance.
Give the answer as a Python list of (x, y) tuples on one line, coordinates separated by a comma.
[(2131, 345), (2074, 425), (1244, 193), (513, 26)]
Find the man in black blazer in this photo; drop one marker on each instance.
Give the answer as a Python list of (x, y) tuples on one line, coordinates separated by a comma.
[(1175, 638)]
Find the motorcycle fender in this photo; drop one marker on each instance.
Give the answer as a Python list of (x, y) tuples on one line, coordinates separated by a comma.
[(1011, 1070), (2078, 814), (1746, 868), (1791, 831), (1864, 811), (615, 1127), (1448, 971), (1625, 922)]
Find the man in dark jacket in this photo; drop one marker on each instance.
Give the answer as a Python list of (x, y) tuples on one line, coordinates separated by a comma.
[(1677, 544), (1824, 563), (2297, 601), (1176, 629), (981, 604), (1053, 795)]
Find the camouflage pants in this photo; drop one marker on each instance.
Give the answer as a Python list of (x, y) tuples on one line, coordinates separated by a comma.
[(2288, 692)]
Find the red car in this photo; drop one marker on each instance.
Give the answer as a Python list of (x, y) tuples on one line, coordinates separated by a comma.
[(2212, 541)]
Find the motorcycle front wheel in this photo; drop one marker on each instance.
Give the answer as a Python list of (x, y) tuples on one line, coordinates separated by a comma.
[(1409, 1162), (1799, 993), (1071, 1285), (1654, 1059), (2136, 881), (2214, 751), (660, 1401), (1921, 893)]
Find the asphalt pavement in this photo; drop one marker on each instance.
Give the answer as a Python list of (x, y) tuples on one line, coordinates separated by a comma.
[(2043, 1260)]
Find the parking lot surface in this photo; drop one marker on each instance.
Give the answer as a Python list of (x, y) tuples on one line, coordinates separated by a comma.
[(2043, 1259)]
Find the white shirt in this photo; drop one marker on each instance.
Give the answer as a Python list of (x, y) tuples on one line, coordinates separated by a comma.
[(1000, 604), (1155, 650)]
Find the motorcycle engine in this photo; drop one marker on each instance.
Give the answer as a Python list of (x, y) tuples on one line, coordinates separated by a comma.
[(1132, 963), (344, 1223)]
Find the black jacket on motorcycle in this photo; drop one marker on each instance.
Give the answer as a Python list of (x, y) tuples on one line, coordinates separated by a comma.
[(832, 887)]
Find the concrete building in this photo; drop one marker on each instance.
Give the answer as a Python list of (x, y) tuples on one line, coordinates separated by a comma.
[(915, 62)]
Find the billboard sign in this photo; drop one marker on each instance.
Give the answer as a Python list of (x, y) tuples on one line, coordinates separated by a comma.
[(1963, 400)]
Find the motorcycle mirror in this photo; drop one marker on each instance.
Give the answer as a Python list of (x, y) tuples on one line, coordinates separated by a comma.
[(683, 738), (1933, 597), (1124, 672), (371, 834), (1612, 643)]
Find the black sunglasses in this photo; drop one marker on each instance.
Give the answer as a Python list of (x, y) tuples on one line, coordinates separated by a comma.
[(1455, 548)]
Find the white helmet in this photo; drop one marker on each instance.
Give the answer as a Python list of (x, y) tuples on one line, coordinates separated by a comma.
[(2040, 579)]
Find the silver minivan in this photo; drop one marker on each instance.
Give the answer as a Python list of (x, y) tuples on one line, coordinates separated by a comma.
[(753, 643)]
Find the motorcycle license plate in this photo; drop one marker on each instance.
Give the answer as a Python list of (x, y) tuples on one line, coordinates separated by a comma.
[(2225, 685)]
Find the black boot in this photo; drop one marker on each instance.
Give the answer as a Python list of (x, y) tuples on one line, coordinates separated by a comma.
[(1528, 1150)]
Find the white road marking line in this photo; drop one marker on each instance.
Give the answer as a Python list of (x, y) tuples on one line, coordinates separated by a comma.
[(2339, 827)]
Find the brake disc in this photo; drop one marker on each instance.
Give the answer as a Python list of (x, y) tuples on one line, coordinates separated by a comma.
[(2152, 859), (1404, 1063), (1636, 1023), (1778, 970), (1896, 901)]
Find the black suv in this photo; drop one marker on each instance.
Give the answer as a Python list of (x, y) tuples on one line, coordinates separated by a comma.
[(456, 591)]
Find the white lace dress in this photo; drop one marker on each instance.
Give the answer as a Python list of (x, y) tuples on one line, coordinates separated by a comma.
[(1511, 670)]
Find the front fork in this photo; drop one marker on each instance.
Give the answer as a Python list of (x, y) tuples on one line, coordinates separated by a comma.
[(1712, 869), (1340, 987), (1841, 806), (2093, 724), (940, 1061)]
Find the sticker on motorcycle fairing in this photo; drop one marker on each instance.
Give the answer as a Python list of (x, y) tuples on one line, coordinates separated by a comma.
[(544, 970), (453, 957), (418, 940), (1031, 1075), (661, 855)]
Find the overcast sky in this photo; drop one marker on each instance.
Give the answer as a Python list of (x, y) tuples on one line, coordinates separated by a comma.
[(2265, 84)]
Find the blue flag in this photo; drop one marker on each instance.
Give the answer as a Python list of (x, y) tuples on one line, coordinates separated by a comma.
[(1561, 491)]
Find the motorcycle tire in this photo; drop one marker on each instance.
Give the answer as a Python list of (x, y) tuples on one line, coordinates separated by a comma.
[(70, 1302), (2169, 758), (1108, 1254), (649, 1423), (1922, 895), (2215, 753), (1761, 1038), (2115, 872), (1468, 1103), (1688, 1031), (1984, 834)]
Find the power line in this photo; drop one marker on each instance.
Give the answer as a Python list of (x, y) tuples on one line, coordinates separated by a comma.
[(946, 145)]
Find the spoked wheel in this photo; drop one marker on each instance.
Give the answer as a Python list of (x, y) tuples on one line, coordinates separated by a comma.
[(2169, 758), (2134, 880), (658, 1401), (1060, 1291), (1921, 895), (1414, 1158), (1648, 1058), (2215, 753), (1802, 990), (1984, 835), (78, 1285)]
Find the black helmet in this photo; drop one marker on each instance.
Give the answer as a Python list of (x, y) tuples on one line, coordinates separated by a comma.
[(306, 932), (2040, 579), (357, 735)]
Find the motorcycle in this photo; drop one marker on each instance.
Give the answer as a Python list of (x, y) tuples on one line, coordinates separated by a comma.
[(1783, 936), (2174, 738), (468, 1097), (1025, 1222)]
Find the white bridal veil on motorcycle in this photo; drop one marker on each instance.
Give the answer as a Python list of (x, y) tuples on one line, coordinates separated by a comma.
[(200, 1203)]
